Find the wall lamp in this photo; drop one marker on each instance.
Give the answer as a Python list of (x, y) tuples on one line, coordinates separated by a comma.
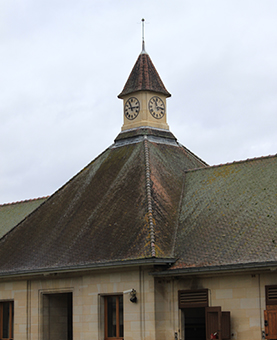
[(133, 294)]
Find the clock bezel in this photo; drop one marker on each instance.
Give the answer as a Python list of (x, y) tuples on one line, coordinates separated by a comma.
[(151, 109), (137, 112)]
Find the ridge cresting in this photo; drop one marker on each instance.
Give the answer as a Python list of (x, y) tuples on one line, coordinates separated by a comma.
[(149, 198)]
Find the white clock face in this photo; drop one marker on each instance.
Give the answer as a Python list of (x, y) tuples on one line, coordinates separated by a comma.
[(131, 108), (156, 107)]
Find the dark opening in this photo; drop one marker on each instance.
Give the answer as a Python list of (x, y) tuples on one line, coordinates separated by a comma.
[(6, 320), (195, 323), (57, 316)]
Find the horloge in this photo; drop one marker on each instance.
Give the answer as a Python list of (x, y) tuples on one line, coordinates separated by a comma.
[(156, 107), (131, 108)]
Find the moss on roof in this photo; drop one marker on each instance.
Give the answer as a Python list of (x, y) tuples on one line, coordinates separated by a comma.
[(148, 195), (102, 214), (229, 214)]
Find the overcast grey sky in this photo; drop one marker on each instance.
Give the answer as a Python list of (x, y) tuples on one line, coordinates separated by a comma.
[(63, 63)]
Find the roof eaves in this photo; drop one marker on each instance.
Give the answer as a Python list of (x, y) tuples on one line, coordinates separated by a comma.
[(230, 268), (89, 267)]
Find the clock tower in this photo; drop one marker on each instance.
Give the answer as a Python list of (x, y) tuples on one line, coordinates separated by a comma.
[(144, 96)]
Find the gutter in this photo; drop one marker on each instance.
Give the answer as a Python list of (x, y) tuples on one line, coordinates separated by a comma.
[(230, 268), (88, 267)]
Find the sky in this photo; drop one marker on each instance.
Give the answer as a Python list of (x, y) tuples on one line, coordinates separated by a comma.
[(63, 63)]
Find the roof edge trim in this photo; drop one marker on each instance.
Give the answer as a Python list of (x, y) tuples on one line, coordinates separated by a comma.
[(229, 268), (88, 267)]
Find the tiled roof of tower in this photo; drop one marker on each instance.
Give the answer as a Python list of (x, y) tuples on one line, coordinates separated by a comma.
[(144, 77), (102, 214)]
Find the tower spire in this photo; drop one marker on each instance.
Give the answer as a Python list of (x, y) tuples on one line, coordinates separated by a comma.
[(142, 35), (144, 95)]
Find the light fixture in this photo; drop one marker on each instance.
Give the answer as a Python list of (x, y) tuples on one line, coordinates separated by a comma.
[(133, 297), (133, 294)]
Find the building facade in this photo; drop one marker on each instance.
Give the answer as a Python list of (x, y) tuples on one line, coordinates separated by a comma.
[(146, 242)]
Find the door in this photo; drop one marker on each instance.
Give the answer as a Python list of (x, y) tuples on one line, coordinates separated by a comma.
[(218, 324), (270, 323), (194, 323), (213, 323)]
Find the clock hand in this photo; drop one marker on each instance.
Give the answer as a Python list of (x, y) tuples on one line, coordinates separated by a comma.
[(131, 106)]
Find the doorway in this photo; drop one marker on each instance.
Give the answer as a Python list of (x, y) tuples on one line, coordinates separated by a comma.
[(57, 316), (194, 319)]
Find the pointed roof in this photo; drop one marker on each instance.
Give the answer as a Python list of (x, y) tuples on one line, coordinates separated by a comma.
[(130, 193), (144, 77)]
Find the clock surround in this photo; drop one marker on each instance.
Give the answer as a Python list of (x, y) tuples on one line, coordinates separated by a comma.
[(156, 107), (132, 108)]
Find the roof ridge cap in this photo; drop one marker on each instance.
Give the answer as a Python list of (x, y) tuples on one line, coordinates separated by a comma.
[(24, 201), (234, 162), (149, 199)]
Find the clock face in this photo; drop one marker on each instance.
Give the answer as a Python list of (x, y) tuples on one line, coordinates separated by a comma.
[(156, 107), (131, 108)]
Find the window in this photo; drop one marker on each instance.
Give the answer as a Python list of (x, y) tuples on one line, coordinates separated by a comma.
[(6, 320), (114, 317), (193, 298), (271, 295)]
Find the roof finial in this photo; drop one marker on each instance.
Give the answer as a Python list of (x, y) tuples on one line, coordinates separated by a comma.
[(143, 44)]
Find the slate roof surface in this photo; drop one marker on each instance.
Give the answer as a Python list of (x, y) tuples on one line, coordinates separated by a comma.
[(103, 213), (148, 198), (11, 214), (144, 77), (229, 215)]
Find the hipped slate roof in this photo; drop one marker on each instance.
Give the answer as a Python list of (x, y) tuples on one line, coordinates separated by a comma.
[(144, 77), (13, 213), (149, 197), (228, 215), (124, 205)]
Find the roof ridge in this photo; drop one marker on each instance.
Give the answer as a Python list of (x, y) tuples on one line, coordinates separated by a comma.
[(194, 155), (149, 198), (231, 163), (24, 201)]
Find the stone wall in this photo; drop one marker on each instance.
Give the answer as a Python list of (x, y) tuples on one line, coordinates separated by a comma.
[(31, 303), (242, 295), (155, 315)]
